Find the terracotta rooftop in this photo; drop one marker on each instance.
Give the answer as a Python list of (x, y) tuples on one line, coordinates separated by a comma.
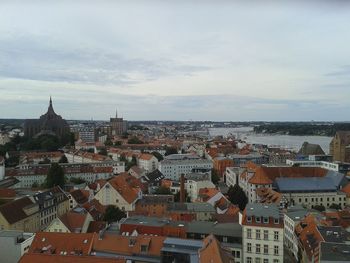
[(127, 186), (56, 243), (146, 156), (14, 211), (73, 221), (7, 193), (44, 258), (213, 252), (128, 245)]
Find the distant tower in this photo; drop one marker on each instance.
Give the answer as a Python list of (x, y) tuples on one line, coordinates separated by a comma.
[(116, 113)]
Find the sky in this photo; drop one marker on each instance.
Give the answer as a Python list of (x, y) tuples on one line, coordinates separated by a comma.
[(176, 60)]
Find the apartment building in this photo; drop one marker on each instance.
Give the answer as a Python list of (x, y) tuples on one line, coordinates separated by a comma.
[(262, 234)]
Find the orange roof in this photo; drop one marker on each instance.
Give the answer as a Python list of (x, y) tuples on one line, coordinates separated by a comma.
[(267, 195), (7, 193), (266, 175), (44, 258), (109, 241), (146, 156), (207, 193), (166, 183), (213, 252), (73, 221), (127, 186), (346, 189), (55, 243)]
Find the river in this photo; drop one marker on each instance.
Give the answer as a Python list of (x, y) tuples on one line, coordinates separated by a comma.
[(286, 141)]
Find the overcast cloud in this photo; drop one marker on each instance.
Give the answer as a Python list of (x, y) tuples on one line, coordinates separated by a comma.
[(176, 60)]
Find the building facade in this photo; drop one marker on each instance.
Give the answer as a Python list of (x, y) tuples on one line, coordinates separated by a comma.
[(49, 123)]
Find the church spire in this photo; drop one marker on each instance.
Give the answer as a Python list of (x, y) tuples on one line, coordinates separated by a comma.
[(50, 101), (116, 112), (50, 109)]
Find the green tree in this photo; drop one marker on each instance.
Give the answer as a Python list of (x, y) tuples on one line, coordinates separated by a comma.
[(215, 178), (113, 214), (77, 180), (103, 151), (118, 143), (108, 142), (63, 159), (55, 176), (319, 208), (158, 156), (170, 150), (335, 206), (237, 196)]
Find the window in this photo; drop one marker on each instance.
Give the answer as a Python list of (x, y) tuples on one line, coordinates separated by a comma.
[(257, 249), (249, 247), (276, 235), (275, 250), (249, 219), (276, 221), (224, 239), (257, 234), (249, 260), (266, 249), (266, 260), (266, 220), (257, 260), (249, 233), (275, 261), (266, 234), (257, 219)]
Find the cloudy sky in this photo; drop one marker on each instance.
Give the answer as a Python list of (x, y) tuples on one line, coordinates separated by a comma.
[(176, 60)]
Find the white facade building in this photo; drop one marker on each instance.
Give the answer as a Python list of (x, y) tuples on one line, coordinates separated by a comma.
[(2, 168), (193, 186), (262, 234), (13, 245), (172, 168)]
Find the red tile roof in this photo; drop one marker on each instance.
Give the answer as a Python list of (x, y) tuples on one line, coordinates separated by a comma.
[(73, 221), (55, 243), (43, 258), (127, 186)]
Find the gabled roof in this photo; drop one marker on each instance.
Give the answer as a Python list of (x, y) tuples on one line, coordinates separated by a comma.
[(127, 186), (80, 196), (129, 245), (213, 252), (73, 221), (55, 243), (146, 156), (44, 258), (14, 211)]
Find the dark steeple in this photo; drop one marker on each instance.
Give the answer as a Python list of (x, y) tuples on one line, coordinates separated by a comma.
[(50, 110)]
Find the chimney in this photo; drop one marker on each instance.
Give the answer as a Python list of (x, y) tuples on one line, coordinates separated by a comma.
[(182, 189)]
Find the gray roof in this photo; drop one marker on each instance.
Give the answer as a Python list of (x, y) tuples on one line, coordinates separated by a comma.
[(297, 213), (334, 234), (181, 157), (221, 229), (307, 184), (152, 221), (262, 210), (334, 252)]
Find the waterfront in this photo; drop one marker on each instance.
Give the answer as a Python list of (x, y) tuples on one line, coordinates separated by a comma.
[(286, 141)]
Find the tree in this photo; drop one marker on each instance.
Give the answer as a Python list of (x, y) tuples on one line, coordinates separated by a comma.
[(158, 156), (103, 151), (237, 196), (55, 176), (162, 190), (118, 143), (170, 150), (335, 206), (215, 178), (113, 214), (77, 180), (63, 159), (319, 208), (108, 142)]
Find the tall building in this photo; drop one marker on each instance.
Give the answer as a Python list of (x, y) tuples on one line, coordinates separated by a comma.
[(48, 123), (262, 234), (339, 147), (118, 125), (87, 134)]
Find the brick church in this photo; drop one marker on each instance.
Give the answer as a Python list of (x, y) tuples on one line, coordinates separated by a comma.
[(48, 123)]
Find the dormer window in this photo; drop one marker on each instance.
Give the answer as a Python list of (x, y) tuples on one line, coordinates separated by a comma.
[(258, 219), (276, 221), (249, 219), (266, 220)]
